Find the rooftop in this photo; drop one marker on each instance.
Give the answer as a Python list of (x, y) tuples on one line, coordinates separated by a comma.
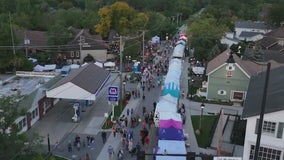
[(12, 84)]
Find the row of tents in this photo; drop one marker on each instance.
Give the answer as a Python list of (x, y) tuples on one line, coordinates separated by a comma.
[(167, 119)]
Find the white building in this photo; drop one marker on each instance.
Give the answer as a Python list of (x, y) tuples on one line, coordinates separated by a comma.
[(246, 30), (272, 137)]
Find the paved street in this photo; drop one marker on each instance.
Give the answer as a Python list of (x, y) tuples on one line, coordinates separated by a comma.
[(62, 131)]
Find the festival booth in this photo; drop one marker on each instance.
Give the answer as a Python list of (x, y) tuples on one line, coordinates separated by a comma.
[(164, 106), (109, 66), (99, 64), (166, 119), (74, 66), (38, 68), (183, 38), (155, 39), (172, 89), (169, 98), (171, 133), (172, 77), (178, 51), (170, 122), (180, 42), (171, 147)]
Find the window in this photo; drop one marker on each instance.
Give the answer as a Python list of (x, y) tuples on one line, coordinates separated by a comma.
[(268, 127), (34, 113), (22, 123), (265, 153), (238, 95), (78, 54), (230, 67), (72, 54), (280, 130), (222, 92)]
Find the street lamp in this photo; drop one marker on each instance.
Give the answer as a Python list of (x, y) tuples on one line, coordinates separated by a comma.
[(124, 84), (201, 114), (48, 143), (128, 60), (263, 102)]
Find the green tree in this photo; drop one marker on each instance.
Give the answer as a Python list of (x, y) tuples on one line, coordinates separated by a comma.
[(205, 33), (276, 14), (159, 24), (120, 17), (58, 35), (11, 140)]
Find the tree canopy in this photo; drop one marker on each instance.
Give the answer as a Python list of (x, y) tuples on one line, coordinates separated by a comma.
[(205, 34), (120, 17)]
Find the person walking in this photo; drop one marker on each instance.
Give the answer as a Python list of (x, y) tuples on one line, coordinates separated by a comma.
[(120, 154), (104, 137), (110, 152), (130, 145)]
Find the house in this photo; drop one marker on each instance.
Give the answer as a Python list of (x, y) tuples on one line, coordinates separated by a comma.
[(242, 27), (272, 137), (273, 40), (246, 30), (230, 82), (36, 104), (85, 47), (42, 96), (32, 41)]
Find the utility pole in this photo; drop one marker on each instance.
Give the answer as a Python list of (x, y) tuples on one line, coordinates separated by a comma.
[(80, 46), (26, 42), (120, 66), (143, 47), (12, 38)]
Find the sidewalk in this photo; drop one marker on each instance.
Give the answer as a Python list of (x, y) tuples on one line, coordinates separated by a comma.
[(188, 128), (115, 142)]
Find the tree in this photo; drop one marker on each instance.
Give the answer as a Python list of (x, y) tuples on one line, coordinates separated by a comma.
[(276, 14), (205, 33), (11, 140), (58, 35), (13, 143), (120, 17)]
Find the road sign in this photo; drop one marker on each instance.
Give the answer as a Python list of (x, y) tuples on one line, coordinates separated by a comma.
[(113, 99), (113, 91)]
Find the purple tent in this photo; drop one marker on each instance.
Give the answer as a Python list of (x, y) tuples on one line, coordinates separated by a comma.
[(171, 133), (170, 122)]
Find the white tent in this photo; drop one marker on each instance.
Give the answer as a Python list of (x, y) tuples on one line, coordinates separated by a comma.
[(155, 39), (171, 147), (178, 51), (99, 64), (170, 115), (109, 64), (164, 106), (49, 67), (38, 68), (73, 66), (168, 98)]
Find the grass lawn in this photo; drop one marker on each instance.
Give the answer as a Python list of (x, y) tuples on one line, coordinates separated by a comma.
[(117, 111), (207, 124)]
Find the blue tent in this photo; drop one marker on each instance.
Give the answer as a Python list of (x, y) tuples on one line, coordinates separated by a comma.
[(172, 89), (171, 133)]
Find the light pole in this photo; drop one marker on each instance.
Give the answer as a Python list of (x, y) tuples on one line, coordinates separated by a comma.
[(128, 58), (201, 114), (124, 84), (48, 143)]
